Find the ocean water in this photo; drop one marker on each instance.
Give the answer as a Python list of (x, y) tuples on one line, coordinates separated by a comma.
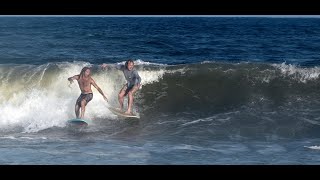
[(215, 90)]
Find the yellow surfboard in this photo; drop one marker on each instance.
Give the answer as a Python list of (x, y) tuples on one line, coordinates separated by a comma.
[(122, 114)]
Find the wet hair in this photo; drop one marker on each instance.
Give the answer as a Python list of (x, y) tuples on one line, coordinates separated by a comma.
[(83, 70), (127, 62)]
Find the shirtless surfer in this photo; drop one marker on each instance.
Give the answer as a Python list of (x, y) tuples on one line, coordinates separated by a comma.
[(85, 81)]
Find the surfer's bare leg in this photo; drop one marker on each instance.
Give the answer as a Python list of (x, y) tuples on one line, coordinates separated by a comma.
[(130, 99), (83, 108), (121, 96), (77, 110)]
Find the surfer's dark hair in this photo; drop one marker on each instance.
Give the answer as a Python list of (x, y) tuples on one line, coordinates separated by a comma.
[(83, 70), (127, 62)]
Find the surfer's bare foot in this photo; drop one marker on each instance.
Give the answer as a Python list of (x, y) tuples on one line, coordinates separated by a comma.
[(128, 113)]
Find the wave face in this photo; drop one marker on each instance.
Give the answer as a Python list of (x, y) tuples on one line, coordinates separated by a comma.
[(212, 99), (37, 97)]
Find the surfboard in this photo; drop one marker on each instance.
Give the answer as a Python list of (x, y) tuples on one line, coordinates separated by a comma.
[(78, 122), (122, 114)]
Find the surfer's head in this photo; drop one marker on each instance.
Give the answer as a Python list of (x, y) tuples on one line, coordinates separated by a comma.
[(129, 64), (85, 72)]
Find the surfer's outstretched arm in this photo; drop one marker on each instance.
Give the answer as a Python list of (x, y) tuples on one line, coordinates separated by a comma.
[(118, 66), (98, 88), (75, 77)]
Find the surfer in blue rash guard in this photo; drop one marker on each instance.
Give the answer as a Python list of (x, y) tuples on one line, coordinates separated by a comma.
[(85, 81), (132, 85)]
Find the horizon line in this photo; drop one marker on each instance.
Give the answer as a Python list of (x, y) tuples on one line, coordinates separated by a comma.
[(266, 16)]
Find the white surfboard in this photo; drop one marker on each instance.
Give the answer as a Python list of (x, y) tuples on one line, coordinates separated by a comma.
[(122, 114)]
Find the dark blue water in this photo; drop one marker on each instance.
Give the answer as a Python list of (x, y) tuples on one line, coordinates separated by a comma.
[(215, 90), (37, 40)]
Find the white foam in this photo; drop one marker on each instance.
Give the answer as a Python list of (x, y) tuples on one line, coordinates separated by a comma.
[(197, 121), (149, 77), (8, 137), (141, 62), (313, 147), (298, 73), (46, 100)]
